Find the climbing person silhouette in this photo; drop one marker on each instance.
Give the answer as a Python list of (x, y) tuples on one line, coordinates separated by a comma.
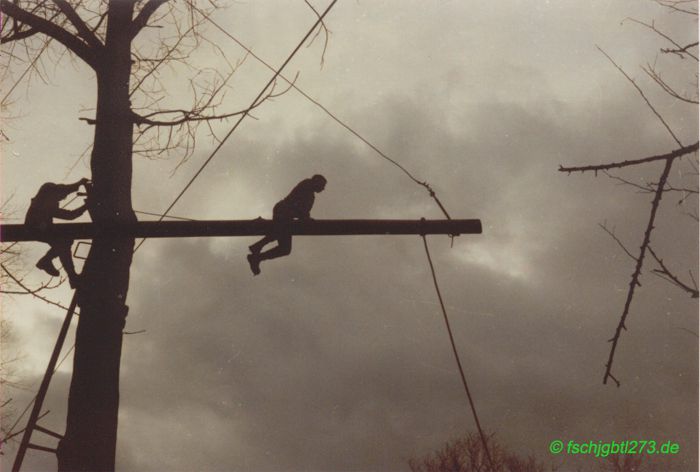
[(295, 206), (43, 209)]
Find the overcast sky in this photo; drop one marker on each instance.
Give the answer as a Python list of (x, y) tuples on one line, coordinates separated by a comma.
[(336, 357)]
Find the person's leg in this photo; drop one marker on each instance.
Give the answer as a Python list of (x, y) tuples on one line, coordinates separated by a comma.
[(257, 247), (45, 263), (62, 249), (283, 248), (283, 217)]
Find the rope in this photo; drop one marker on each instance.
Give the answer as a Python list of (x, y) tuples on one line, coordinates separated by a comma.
[(235, 126), (427, 186), (163, 216), (454, 350)]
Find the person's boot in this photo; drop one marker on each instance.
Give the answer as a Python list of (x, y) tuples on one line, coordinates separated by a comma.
[(254, 264), (47, 266), (254, 248)]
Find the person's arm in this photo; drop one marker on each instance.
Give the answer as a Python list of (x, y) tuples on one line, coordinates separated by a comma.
[(74, 187), (69, 214), (64, 190), (304, 205)]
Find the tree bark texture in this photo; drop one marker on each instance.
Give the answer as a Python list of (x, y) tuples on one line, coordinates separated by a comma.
[(90, 439)]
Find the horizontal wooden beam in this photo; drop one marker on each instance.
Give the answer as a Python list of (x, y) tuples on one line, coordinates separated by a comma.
[(257, 227)]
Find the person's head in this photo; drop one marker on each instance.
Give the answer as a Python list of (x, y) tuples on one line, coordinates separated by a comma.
[(319, 182), (50, 192)]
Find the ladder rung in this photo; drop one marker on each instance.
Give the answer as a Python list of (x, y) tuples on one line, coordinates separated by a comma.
[(48, 431), (41, 448)]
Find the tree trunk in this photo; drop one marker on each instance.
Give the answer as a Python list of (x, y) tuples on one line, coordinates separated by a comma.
[(93, 404)]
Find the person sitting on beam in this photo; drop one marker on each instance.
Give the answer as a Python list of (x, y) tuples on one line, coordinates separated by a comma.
[(43, 209), (295, 206)]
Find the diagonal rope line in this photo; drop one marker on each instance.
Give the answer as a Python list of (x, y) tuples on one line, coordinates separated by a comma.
[(329, 113), (148, 213), (242, 117), (456, 354)]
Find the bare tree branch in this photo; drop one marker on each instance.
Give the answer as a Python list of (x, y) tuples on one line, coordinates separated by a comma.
[(321, 27), (19, 35), (641, 92), (652, 27), (674, 5), (665, 273), (634, 282), (42, 25), (144, 15), (651, 187), (617, 240), (29, 291), (614, 165), (680, 50), (83, 31), (649, 70), (29, 68), (167, 56)]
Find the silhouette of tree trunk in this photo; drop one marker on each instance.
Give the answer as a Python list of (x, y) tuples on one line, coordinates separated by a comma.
[(91, 432), (90, 438)]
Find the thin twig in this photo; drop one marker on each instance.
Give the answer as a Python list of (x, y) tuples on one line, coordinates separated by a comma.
[(617, 240), (664, 271), (29, 291), (641, 92)]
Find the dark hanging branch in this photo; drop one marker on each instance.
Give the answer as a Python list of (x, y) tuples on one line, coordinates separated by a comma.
[(634, 282)]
